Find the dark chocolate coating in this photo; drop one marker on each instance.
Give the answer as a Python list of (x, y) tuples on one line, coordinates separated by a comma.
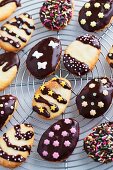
[(56, 14), (101, 21), (7, 106), (5, 2), (50, 55), (110, 56), (59, 140), (98, 144), (95, 98), (45, 113), (11, 59)]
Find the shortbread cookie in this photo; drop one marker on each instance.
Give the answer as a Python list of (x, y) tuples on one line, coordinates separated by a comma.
[(99, 144), (109, 57), (56, 14), (96, 15), (95, 98), (15, 145), (52, 98), (44, 57), (9, 64), (81, 55), (59, 140), (15, 34), (7, 7), (8, 105)]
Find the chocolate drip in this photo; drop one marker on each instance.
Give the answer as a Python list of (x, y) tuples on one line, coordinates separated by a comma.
[(27, 125), (11, 59), (15, 147), (27, 15), (45, 112), (55, 96), (7, 106), (13, 34), (26, 136), (42, 100), (21, 22), (75, 66), (9, 40), (12, 158), (5, 2), (65, 86)]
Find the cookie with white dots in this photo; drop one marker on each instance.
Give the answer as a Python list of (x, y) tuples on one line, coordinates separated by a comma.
[(44, 57), (81, 55), (95, 98), (109, 57), (15, 33), (99, 144), (8, 104), (15, 145), (7, 7), (96, 15), (9, 64), (52, 98), (59, 140)]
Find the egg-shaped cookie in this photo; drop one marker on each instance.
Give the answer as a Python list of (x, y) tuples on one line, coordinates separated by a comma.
[(96, 15), (99, 144), (7, 7), (81, 55), (95, 98), (109, 57), (15, 33), (8, 104), (52, 98), (44, 57), (59, 140), (9, 64), (15, 145)]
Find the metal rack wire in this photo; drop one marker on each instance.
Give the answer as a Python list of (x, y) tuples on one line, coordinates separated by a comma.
[(25, 85)]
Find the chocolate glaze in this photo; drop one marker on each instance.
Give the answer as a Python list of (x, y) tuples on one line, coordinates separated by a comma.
[(9, 40), (65, 86), (74, 66), (12, 60), (91, 40), (7, 106), (15, 147), (5, 2), (95, 98), (110, 55), (100, 22), (50, 55), (26, 136), (11, 158), (45, 112), (66, 132)]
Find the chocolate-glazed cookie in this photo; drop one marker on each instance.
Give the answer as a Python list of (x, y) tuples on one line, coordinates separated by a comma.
[(59, 140), (99, 144), (109, 57), (81, 55), (44, 57), (56, 14), (95, 98), (96, 15)]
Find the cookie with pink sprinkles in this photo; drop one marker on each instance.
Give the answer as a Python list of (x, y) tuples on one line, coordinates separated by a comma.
[(56, 14), (99, 144)]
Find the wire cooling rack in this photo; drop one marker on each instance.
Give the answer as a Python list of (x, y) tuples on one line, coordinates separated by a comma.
[(25, 85)]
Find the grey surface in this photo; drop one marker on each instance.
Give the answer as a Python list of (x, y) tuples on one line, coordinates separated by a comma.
[(25, 85)]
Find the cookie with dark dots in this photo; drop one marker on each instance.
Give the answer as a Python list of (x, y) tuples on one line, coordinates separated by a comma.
[(96, 15), (59, 140), (52, 98), (9, 65), (15, 145), (95, 98), (7, 7), (109, 57), (56, 14), (99, 144), (15, 33), (44, 57), (8, 104), (81, 55)]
